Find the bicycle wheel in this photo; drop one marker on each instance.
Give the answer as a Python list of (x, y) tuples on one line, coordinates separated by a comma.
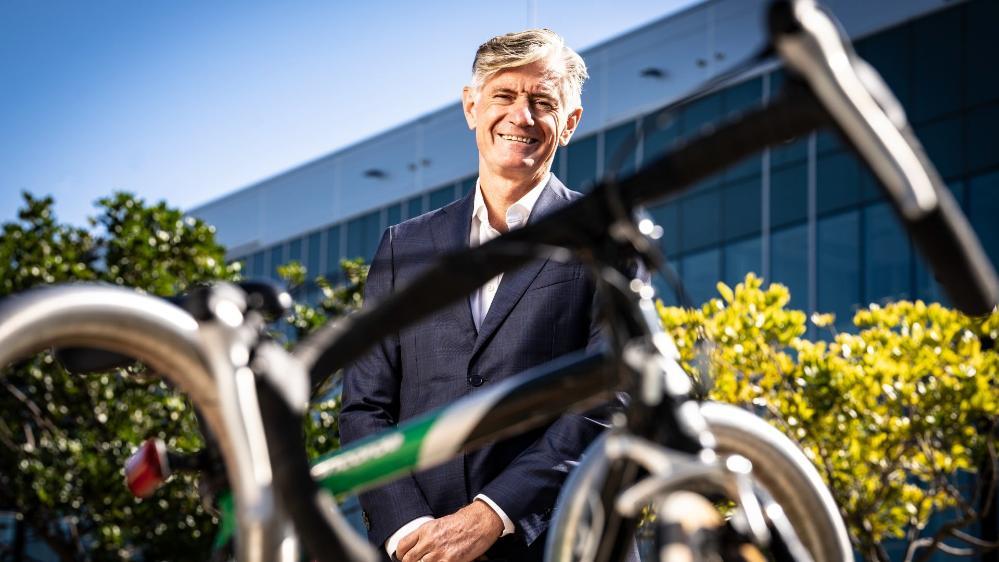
[(779, 467)]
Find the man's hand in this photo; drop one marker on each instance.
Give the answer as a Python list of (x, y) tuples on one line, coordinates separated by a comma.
[(460, 537)]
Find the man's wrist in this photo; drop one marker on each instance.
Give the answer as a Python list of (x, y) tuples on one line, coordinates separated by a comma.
[(508, 527), (395, 538)]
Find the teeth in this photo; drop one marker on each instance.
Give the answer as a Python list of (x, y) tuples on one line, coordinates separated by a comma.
[(525, 140)]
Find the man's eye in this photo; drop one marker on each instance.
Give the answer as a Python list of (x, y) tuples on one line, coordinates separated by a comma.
[(544, 104)]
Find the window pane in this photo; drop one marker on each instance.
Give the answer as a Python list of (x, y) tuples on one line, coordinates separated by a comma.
[(414, 207), (619, 150), (582, 156), (393, 214), (983, 205), (257, 265), (667, 216), (942, 142), (468, 185), (700, 113), (295, 250), (887, 258), (312, 262), (743, 96), (890, 54), (788, 195), (363, 234), (982, 45), (355, 238), (742, 258), (333, 255), (748, 167), (660, 131), (701, 273), (789, 263), (795, 150), (742, 208), (837, 181), (277, 259), (982, 125), (936, 86), (838, 264), (699, 220), (828, 141), (441, 197)]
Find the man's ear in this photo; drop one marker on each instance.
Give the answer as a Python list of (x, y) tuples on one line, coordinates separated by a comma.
[(468, 106), (571, 122)]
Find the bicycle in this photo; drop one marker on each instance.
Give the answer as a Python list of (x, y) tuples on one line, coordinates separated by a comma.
[(252, 395)]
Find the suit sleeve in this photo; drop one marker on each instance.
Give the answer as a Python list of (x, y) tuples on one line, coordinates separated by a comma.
[(371, 404), (528, 488)]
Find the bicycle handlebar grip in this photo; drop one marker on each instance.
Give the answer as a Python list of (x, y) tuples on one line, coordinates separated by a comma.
[(324, 532)]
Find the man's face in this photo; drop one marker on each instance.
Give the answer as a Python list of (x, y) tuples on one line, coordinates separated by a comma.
[(520, 118)]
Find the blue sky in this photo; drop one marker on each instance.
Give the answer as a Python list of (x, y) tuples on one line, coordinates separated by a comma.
[(186, 101)]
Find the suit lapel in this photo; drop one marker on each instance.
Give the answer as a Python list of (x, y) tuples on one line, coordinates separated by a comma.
[(515, 283), (451, 234)]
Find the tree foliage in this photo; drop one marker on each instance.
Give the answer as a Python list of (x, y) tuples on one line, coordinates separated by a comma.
[(322, 429), (64, 439), (897, 416)]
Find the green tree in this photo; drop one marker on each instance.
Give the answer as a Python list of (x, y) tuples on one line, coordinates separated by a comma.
[(322, 429), (64, 438), (892, 415)]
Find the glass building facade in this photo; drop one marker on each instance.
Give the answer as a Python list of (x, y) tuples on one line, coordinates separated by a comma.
[(806, 214)]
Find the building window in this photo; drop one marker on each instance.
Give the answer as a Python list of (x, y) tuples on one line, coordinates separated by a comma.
[(312, 261), (393, 214), (363, 234), (441, 197), (659, 131), (742, 208), (701, 272), (742, 258), (789, 263), (295, 250), (936, 85), (700, 223), (983, 208), (838, 264), (277, 260), (788, 195), (582, 155), (333, 255), (620, 150), (887, 258), (414, 207)]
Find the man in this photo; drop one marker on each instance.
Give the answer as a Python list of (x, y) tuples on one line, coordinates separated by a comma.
[(522, 104)]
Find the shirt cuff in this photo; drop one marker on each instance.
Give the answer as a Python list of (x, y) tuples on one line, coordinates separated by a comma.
[(393, 541), (507, 523)]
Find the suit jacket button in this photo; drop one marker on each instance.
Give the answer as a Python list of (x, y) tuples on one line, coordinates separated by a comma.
[(475, 380)]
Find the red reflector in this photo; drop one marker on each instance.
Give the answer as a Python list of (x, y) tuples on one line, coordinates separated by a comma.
[(147, 468)]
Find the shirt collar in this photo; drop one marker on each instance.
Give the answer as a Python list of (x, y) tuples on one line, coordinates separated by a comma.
[(521, 208)]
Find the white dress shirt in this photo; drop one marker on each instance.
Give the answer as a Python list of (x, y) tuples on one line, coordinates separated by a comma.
[(480, 301)]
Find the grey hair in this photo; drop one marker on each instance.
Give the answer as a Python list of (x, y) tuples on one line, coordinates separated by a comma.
[(525, 47)]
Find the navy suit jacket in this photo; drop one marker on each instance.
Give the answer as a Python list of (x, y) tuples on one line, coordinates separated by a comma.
[(539, 312)]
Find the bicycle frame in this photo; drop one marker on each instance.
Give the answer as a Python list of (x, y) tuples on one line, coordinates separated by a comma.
[(841, 92), (252, 411)]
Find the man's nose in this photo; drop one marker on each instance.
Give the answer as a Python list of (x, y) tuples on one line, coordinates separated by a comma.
[(521, 113)]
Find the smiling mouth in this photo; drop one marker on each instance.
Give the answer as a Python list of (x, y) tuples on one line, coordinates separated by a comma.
[(515, 138)]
